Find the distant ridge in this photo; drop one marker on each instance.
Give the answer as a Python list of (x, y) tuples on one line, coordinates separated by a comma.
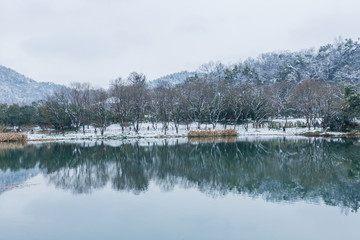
[(17, 88), (173, 79)]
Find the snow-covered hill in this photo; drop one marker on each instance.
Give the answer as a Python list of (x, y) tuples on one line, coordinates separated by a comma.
[(173, 79), (16, 88)]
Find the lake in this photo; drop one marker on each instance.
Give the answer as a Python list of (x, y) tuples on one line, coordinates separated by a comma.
[(255, 188)]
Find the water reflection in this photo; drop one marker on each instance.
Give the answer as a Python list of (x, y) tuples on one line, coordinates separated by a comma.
[(277, 169)]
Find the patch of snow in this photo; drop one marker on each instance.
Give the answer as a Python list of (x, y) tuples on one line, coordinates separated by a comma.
[(148, 131)]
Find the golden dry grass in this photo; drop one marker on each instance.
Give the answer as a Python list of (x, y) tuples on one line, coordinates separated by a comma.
[(13, 137), (215, 133), (354, 134)]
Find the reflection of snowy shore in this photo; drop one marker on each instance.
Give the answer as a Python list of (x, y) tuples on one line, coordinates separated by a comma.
[(148, 130), (16, 179)]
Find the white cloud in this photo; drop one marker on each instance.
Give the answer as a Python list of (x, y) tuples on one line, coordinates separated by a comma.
[(96, 41)]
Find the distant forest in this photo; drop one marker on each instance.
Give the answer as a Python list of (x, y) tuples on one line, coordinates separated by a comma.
[(319, 85)]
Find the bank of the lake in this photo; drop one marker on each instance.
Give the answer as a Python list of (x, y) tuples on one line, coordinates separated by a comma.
[(147, 130)]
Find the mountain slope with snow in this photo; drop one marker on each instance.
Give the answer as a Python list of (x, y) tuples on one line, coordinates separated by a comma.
[(173, 79), (16, 88)]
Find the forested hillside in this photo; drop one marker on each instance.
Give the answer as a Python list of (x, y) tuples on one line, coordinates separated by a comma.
[(319, 86), (338, 62)]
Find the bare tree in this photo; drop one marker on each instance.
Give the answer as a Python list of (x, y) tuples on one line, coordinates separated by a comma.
[(258, 104), (56, 109), (217, 105), (163, 98), (120, 101), (330, 103), (99, 109), (236, 103), (138, 98), (178, 106), (306, 96), (213, 70), (79, 97), (197, 99), (278, 97)]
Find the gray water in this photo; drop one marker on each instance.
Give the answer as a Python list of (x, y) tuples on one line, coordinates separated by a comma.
[(259, 189)]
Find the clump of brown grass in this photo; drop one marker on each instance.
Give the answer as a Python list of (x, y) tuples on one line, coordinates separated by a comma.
[(353, 134), (13, 137), (317, 134), (215, 133)]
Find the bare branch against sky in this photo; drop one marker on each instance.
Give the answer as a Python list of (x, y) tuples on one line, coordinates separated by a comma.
[(99, 40)]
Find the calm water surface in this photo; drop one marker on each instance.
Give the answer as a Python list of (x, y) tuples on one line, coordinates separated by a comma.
[(259, 189)]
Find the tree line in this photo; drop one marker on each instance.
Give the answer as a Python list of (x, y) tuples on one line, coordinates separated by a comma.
[(319, 86), (130, 102)]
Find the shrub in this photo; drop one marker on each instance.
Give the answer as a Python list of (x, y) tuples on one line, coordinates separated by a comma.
[(210, 133), (13, 137)]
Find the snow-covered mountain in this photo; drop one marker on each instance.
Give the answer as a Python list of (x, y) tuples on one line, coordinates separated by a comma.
[(173, 79), (16, 88)]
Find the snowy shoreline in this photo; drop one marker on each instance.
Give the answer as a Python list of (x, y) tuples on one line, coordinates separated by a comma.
[(113, 132)]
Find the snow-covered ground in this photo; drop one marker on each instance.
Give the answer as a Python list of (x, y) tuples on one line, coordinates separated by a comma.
[(147, 131)]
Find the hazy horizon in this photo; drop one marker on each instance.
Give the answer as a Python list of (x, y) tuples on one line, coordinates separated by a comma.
[(97, 41)]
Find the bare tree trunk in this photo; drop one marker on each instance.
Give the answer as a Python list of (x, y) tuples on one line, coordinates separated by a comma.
[(176, 127), (122, 125), (137, 126), (307, 122)]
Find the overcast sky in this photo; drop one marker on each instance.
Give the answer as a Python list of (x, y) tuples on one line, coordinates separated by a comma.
[(97, 41)]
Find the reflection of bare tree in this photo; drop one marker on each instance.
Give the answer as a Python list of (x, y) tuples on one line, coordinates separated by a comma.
[(277, 169), (130, 173), (85, 170)]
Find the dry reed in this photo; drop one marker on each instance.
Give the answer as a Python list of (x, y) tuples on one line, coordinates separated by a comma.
[(13, 137), (215, 133)]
